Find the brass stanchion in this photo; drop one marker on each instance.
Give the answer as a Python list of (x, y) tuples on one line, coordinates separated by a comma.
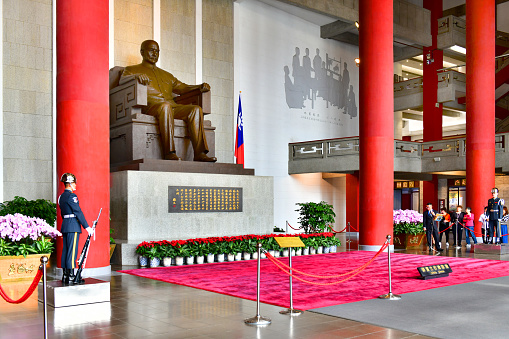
[(348, 241), (390, 295), (44, 261), (291, 311), (258, 320)]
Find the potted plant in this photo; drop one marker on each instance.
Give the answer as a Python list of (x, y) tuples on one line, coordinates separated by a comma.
[(212, 250), (222, 249), (408, 229), (142, 250), (202, 249), (112, 243), (192, 252), (154, 256), (22, 241), (167, 253), (181, 251), (316, 217)]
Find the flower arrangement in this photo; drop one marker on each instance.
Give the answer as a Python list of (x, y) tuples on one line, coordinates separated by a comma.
[(407, 222), (23, 235), (226, 245)]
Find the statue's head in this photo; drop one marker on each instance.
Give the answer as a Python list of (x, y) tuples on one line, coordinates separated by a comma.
[(149, 50)]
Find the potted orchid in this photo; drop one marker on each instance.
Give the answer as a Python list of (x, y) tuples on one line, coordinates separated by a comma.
[(408, 229), (22, 241)]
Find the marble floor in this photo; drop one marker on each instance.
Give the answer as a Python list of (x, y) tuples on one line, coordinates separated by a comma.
[(143, 308)]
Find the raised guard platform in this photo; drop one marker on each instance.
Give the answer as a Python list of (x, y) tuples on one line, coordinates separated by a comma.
[(181, 166), (491, 249), (93, 291)]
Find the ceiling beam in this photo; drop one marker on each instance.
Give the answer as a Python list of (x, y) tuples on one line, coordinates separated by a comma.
[(335, 28), (348, 37), (457, 11), (403, 53), (412, 116), (452, 114)]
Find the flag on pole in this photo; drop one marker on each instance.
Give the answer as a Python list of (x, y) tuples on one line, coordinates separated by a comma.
[(239, 139)]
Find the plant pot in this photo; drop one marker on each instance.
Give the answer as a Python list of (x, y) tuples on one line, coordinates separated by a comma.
[(154, 262), (293, 252), (166, 261), (238, 256), (334, 249), (262, 255), (409, 241), (143, 261), (230, 257), (319, 250), (272, 253), (246, 255), (220, 257), (285, 253), (190, 260), (200, 259), (277, 254), (255, 255), (179, 261), (210, 258), (312, 250), (298, 251), (16, 268), (112, 249), (305, 251), (326, 250)]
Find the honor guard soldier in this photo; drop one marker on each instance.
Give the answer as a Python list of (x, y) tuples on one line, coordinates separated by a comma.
[(72, 221), (495, 212)]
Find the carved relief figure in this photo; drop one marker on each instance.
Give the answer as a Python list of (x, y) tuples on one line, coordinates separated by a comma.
[(160, 88)]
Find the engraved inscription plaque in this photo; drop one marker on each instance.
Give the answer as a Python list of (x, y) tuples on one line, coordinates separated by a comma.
[(195, 199)]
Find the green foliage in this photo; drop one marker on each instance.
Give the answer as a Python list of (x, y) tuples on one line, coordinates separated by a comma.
[(112, 241), (408, 228), (279, 230), (315, 218), (39, 208), (24, 250), (6, 248), (43, 245)]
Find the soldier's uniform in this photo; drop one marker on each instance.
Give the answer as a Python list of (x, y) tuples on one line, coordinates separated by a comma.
[(495, 212), (72, 221)]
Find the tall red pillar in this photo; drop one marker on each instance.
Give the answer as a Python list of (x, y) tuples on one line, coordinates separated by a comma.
[(432, 113), (83, 114), (480, 142), (376, 122)]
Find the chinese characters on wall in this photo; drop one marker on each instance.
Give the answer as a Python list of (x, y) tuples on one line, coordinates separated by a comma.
[(190, 199)]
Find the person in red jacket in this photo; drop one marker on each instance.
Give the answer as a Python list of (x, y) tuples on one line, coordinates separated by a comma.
[(468, 218)]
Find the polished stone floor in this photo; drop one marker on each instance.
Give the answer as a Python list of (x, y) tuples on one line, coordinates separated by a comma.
[(144, 308)]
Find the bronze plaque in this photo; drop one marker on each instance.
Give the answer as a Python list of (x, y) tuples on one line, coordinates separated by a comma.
[(195, 199)]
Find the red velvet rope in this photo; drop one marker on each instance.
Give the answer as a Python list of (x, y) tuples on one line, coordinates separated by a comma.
[(445, 230), (331, 230), (271, 258), (328, 276), (296, 229), (27, 294)]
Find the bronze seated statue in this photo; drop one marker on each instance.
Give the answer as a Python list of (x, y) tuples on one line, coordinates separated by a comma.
[(144, 95)]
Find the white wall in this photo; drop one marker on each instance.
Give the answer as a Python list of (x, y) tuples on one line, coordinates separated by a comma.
[(264, 43)]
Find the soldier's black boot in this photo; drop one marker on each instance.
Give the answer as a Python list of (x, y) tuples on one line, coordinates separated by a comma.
[(65, 276)]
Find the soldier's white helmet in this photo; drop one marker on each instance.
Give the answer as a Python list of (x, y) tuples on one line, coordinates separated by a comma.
[(68, 178)]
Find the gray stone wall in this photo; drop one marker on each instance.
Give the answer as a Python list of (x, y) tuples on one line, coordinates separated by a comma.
[(27, 102), (133, 24), (178, 39), (218, 72)]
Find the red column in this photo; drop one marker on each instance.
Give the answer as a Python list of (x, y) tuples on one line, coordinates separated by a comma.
[(352, 201), (83, 114), (432, 115), (480, 104), (376, 122)]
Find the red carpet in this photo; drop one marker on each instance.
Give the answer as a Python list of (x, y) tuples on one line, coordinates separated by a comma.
[(238, 279)]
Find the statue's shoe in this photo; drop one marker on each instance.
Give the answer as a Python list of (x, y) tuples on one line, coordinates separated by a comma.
[(172, 156), (204, 158)]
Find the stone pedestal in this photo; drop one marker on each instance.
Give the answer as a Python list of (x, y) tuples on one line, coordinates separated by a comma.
[(491, 249), (58, 295), (140, 207)]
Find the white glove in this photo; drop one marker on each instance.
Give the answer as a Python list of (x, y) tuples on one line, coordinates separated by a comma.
[(90, 230)]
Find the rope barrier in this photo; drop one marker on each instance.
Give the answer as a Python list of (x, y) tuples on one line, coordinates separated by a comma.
[(445, 230), (271, 258), (327, 276), (333, 231), (27, 294), (296, 229)]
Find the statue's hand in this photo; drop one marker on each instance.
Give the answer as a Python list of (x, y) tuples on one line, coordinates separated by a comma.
[(143, 79), (205, 87)]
